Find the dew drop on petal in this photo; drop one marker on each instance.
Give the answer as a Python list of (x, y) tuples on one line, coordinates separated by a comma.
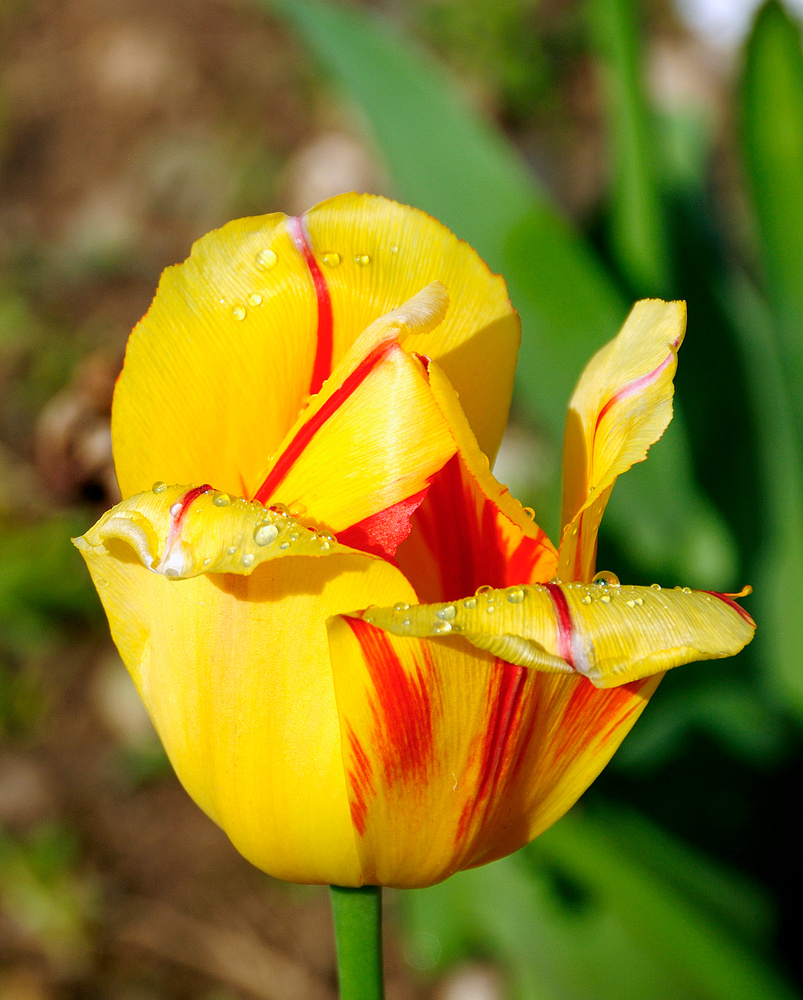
[(440, 628), (445, 614), (331, 259), (238, 311), (264, 534), (248, 560), (486, 588), (401, 606), (255, 299), (631, 604), (606, 598), (266, 259), (516, 595), (655, 586), (362, 259), (159, 486), (101, 581), (470, 603), (638, 601), (285, 545), (221, 500), (394, 249), (407, 622), (175, 510), (530, 513), (606, 577), (208, 561), (586, 599)]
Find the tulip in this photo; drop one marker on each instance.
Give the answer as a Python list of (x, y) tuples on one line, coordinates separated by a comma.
[(365, 660)]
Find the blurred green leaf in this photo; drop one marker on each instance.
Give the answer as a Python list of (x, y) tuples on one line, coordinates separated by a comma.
[(780, 639), (772, 112), (604, 906), (42, 580), (447, 160), (638, 226)]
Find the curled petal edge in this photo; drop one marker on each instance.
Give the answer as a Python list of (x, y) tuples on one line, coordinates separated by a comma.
[(609, 633)]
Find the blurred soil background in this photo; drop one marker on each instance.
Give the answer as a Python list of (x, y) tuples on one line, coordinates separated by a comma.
[(128, 128)]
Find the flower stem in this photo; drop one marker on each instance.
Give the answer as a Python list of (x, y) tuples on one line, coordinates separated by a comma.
[(358, 933)]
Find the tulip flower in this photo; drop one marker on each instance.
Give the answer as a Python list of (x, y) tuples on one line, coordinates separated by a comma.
[(366, 661)]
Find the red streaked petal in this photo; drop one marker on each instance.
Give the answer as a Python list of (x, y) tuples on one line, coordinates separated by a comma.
[(490, 753)]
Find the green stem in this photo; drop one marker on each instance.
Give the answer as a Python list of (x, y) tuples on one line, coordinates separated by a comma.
[(358, 933)]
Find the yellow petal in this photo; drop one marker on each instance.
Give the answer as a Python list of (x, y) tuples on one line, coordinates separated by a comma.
[(609, 633), (478, 341), (374, 435), (622, 405), (235, 672), (454, 758), (243, 331), (469, 531)]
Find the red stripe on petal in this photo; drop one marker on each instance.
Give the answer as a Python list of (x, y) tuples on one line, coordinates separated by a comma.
[(635, 386), (178, 511), (500, 751), (383, 532), (360, 777), (402, 706), (322, 366), (592, 714), (563, 619), (330, 406)]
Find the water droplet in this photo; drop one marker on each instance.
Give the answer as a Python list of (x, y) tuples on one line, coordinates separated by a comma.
[(586, 599), (401, 606), (486, 588), (516, 595), (285, 545), (248, 560), (530, 513), (255, 299), (362, 259), (638, 601), (264, 534), (470, 603), (175, 510), (298, 510), (606, 598), (368, 618), (555, 580), (631, 604), (101, 582), (280, 509), (231, 549), (490, 608), (208, 561), (159, 486), (686, 590), (407, 622), (293, 537), (331, 259), (655, 586), (440, 628), (445, 614), (605, 577), (221, 500), (326, 536), (266, 259), (238, 311)]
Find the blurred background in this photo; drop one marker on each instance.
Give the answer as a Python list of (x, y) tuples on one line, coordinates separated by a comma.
[(593, 152)]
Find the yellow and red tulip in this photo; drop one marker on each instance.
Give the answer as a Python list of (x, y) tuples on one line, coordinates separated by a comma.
[(305, 627)]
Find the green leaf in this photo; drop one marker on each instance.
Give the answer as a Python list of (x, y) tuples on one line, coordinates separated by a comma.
[(772, 122), (638, 226), (446, 159), (601, 906), (780, 639)]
